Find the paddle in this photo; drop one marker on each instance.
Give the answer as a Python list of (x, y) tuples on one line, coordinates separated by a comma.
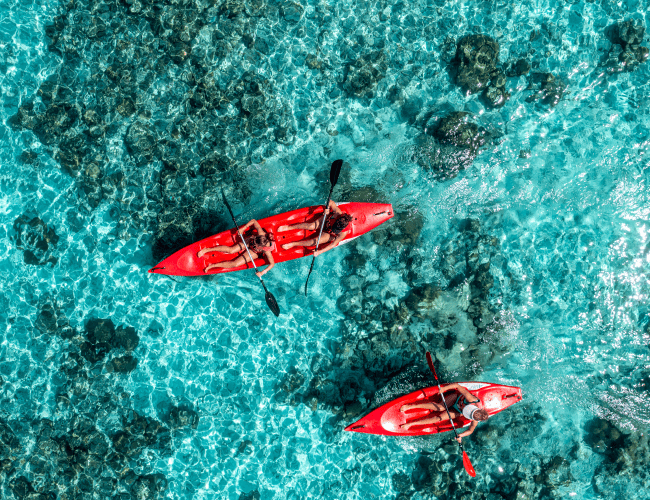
[(270, 299), (466, 463), (335, 170)]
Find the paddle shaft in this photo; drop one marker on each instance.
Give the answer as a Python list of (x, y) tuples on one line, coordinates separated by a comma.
[(335, 170), (442, 395), (244, 242), (329, 197)]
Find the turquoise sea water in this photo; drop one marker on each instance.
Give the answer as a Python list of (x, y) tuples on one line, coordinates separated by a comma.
[(530, 267)]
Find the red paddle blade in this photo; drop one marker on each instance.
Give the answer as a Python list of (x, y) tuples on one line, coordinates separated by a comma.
[(468, 465), (431, 367)]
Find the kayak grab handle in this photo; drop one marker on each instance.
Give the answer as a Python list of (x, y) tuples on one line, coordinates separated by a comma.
[(510, 396), (382, 213), (358, 427), (155, 269)]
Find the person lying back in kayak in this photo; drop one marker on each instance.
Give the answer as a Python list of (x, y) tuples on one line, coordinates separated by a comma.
[(466, 404), (333, 232), (258, 244)]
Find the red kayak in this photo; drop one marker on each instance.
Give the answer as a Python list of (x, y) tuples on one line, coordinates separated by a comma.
[(387, 419), (367, 216)]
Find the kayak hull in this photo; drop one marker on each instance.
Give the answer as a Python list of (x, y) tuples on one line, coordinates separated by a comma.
[(387, 419), (185, 262)]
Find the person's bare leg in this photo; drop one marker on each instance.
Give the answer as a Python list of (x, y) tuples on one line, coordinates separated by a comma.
[(425, 421), (310, 226), (219, 248), (423, 406), (309, 242), (450, 399), (230, 264)]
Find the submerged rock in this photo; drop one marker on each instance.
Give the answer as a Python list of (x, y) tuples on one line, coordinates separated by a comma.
[(626, 454), (51, 319), (126, 338), (36, 239), (627, 33), (149, 487), (549, 89), (183, 417), (364, 74), (22, 488), (626, 53), (10, 443), (100, 330), (476, 58), (457, 130), (383, 333), (291, 11), (517, 68), (452, 146), (123, 364)]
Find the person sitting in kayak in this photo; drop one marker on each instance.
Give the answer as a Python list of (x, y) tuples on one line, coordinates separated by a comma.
[(258, 244), (465, 404), (333, 232)]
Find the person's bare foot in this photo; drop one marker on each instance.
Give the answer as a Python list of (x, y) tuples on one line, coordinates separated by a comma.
[(202, 252), (282, 228), (406, 427), (404, 408), (207, 269), (287, 246)]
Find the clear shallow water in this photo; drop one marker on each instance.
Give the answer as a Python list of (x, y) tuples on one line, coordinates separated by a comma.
[(565, 229)]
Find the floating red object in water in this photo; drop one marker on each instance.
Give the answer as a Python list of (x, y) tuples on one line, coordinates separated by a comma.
[(386, 419), (367, 216)]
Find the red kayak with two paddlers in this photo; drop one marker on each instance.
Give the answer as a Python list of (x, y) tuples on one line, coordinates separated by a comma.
[(387, 419), (185, 262)]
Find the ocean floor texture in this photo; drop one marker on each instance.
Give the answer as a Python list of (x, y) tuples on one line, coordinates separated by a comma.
[(511, 138)]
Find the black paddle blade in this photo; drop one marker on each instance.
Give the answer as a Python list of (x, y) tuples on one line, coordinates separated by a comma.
[(335, 171), (270, 300), (272, 303), (431, 367), (309, 274)]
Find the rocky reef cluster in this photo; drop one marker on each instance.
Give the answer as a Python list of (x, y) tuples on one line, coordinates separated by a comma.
[(94, 444), (36, 239), (384, 334), (626, 52), (155, 104), (475, 69), (449, 144)]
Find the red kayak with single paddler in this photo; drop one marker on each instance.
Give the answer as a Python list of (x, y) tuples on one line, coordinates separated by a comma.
[(366, 216), (387, 419)]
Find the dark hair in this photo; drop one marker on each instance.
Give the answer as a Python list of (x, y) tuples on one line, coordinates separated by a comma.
[(480, 415), (341, 223), (262, 240)]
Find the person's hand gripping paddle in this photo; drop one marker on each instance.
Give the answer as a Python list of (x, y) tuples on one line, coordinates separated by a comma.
[(335, 170), (270, 299), (466, 463)]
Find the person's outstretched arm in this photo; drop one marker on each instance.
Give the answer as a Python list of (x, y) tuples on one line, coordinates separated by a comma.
[(469, 397), (250, 223), (468, 431), (334, 208), (448, 387), (269, 257)]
